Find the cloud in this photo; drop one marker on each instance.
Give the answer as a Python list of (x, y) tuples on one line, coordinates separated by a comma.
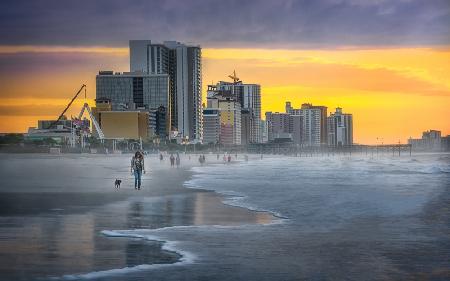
[(218, 23), (55, 73)]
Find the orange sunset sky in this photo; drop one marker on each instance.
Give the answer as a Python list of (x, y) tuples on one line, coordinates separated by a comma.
[(393, 93), (386, 62)]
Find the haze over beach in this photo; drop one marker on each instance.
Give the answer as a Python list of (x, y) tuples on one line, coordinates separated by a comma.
[(221, 140), (383, 61)]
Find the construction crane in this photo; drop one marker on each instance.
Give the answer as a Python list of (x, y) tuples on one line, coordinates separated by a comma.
[(67, 107), (101, 136), (85, 107), (234, 77)]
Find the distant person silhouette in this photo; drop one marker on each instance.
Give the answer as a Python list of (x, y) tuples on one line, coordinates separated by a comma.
[(177, 160), (172, 160)]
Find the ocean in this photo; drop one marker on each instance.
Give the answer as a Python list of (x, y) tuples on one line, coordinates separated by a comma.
[(332, 218)]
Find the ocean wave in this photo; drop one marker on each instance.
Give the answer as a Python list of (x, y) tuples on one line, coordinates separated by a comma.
[(170, 246), (436, 170), (233, 198)]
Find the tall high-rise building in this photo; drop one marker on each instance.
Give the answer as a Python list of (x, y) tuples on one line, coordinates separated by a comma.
[(340, 128), (183, 65), (315, 131), (230, 116), (278, 126), (130, 91), (285, 126), (211, 125), (158, 123), (246, 126), (264, 132), (249, 96), (296, 128)]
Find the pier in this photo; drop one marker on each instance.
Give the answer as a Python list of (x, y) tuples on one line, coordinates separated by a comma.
[(310, 151)]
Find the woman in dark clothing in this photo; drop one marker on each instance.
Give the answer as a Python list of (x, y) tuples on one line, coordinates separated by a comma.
[(137, 167)]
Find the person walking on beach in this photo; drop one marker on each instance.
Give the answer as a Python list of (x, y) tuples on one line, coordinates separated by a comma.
[(177, 159), (172, 160), (137, 167)]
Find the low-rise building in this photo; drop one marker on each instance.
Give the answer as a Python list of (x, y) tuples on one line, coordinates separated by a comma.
[(124, 124)]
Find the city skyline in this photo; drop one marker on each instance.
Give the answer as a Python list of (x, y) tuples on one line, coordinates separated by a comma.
[(385, 83)]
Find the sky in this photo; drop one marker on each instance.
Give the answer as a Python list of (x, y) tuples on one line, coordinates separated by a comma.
[(384, 61)]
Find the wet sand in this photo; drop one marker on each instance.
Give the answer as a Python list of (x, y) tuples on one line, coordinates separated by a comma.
[(53, 209)]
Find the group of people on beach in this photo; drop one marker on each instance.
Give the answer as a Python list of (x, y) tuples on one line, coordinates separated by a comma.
[(175, 160), (138, 168), (226, 158)]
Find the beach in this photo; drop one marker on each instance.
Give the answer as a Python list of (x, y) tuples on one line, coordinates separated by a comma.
[(53, 209), (276, 218)]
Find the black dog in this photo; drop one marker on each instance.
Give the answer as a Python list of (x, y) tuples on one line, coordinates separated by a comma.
[(117, 183)]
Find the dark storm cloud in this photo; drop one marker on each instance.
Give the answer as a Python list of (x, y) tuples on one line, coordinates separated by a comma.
[(217, 23)]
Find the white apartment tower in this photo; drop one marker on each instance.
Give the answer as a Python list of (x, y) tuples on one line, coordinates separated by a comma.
[(340, 128), (314, 123)]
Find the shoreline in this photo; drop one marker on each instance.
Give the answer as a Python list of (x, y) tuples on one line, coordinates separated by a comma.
[(161, 183)]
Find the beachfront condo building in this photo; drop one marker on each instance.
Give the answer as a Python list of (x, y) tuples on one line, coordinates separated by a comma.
[(431, 141), (249, 97), (211, 126), (182, 63), (314, 120), (340, 128), (264, 132), (229, 111), (278, 126), (246, 126), (284, 127), (135, 91)]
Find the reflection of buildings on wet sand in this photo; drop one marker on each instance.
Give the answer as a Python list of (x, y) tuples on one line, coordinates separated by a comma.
[(61, 245), (209, 210), (198, 208)]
